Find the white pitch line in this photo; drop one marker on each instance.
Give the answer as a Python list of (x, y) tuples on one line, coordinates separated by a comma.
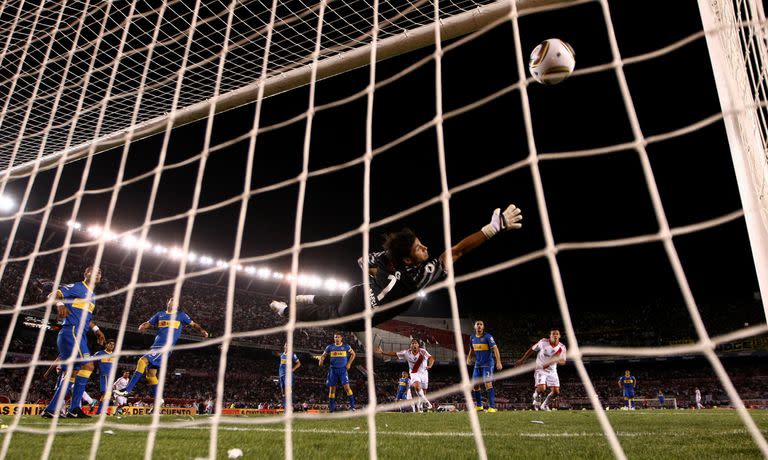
[(449, 434)]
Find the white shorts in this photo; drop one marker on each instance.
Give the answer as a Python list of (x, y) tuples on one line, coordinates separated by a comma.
[(546, 377), (121, 400), (422, 377)]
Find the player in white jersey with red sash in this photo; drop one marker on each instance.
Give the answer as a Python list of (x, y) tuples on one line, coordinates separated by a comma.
[(551, 352), (419, 362)]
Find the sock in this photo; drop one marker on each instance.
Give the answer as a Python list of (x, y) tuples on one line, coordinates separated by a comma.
[(305, 299), (77, 392), (626, 403), (478, 398), (546, 400), (134, 380), (424, 398), (332, 405), (282, 400), (152, 385), (101, 407), (87, 398), (492, 397), (60, 386), (535, 396)]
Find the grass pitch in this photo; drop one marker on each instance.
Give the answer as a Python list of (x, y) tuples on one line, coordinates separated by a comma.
[(564, 434)]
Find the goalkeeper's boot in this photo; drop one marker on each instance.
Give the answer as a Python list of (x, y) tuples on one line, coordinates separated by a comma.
[(278, 307)]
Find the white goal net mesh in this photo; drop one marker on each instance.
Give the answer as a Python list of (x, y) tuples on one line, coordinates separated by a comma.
[(94, 99)]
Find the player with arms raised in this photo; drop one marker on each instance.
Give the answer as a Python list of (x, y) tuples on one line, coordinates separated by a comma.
[(282, 370), (419, 369), (402, 269), (485, 353), (75, 304), (628, 382), (342, 356), (551, 352), (169, 324)]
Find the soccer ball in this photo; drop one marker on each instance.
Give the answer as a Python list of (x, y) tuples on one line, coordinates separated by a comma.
[(552, 61)]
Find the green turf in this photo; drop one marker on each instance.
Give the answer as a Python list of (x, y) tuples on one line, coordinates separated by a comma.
[(565, 434)]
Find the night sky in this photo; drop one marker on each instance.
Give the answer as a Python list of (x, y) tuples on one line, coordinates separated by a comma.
[(589, 199)]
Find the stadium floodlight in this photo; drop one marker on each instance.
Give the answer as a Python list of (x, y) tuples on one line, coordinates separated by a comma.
[(191, 256), (278, 276), (342, 286), (94, 231), (7, 204), (222, 264), (129, 242), (206, 260), (74, 224), (264, 273), (251, 270), (331, 284), (422, 294), (175, 253), (159, 249)]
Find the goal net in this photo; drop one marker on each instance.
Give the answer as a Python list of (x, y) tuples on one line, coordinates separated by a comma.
[(225, 155)]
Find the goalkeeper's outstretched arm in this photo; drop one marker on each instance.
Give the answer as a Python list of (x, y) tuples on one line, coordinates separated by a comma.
[(500, 222)]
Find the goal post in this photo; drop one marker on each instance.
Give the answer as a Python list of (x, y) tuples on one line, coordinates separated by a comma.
[(738, 57), (651, 403)]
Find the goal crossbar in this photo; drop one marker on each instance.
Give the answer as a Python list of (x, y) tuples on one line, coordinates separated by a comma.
[(420, 37)]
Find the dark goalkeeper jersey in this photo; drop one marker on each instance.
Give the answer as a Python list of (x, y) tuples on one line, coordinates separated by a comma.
[(391, 284)]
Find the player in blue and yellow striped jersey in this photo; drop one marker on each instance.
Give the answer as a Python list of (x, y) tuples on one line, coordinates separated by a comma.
[(342, 356), (169, 324), (402, 388), (282, 371), (487, 357), (105, 362), (75, 304), (628, 382)]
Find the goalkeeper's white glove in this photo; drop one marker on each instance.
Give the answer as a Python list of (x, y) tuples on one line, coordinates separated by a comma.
[(501, 221)]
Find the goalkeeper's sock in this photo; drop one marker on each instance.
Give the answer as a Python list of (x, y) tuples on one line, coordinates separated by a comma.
[(492, 397), (478, 398), (305, 299)]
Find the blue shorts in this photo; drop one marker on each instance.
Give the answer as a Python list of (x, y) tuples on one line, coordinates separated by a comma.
[(629, 394), (402, 393), (484, 373), (155, 360), (293, 382), (65, 342), (337, 376)]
